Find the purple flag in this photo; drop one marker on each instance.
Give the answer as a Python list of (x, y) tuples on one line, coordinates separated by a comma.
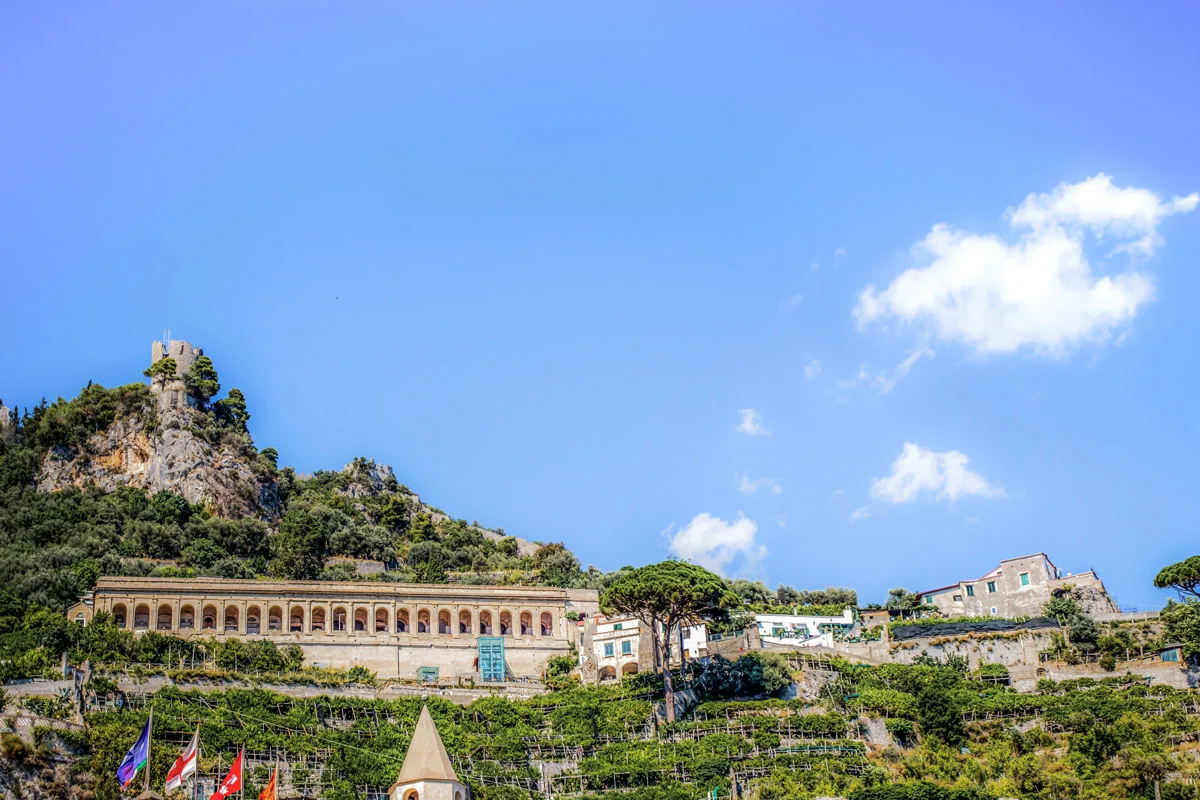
[(136, 758)]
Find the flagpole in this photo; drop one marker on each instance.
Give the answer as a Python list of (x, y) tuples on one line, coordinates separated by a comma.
[(150, 730), (196, 772)]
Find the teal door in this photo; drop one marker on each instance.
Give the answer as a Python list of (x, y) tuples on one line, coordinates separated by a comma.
[(491, 658)]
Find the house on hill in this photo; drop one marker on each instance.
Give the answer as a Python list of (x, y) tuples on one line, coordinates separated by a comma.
[(1018, 587)]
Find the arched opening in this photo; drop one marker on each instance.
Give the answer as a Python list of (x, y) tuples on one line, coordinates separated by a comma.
[(163, 623), (79, 619), (457, 795), (402, 621), (443, 621), (231, 619), (296, 620), (208, 621), (275, 619), (339, 619), (485, 623), (607, 674), (423, 621), (505, 623), (360, 619), (141, 618), (318, 619), (629, 669), (547, 624), (411, 794), (119, 613), (464, 621), (381, 620), (526, 623), (253, 619), (187, 618)]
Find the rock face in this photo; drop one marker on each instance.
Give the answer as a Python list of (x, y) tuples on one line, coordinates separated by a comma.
[(172, 457)]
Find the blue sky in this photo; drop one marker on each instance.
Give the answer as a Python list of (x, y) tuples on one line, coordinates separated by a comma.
[(540, 257)]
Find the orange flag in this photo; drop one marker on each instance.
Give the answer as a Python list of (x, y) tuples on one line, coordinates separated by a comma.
[(268, 792)]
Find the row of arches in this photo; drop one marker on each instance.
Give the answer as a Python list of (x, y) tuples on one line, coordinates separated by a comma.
[(610, 673), (275, 619)]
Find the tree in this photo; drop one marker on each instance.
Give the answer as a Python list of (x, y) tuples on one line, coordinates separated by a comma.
[(271, 454), (162, 370), (557, 564), (299, 547), (395, 514), (1181, 623), (1183, 577), (663, 596), (231, 412), (787, 596), (901, 599), (938, 712), (752, 592), (201, 381)]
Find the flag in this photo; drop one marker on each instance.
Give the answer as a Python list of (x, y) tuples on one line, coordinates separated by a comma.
[(185, 765), (136, 758), (232, 783), (268, 792)]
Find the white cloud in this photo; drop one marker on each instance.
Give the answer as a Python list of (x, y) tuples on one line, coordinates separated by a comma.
[(883, 382), (794, 300), (860, 514), (1038, 293), (751, 423), (812, 369), (917, 470), (840, 253), (837, 493), (746, 485), (714, 544)]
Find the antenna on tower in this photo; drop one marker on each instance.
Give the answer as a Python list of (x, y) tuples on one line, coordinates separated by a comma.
[(166, 340)]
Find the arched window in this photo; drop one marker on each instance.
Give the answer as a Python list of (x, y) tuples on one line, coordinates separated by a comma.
[(253, 619), (318, 619), (402, 621), (231, 619), (506, 623), (209, 621), (360, 619), (444, 621), (411, 794), (485, 623), (381, 620), (526, 623), (607, 673), (464, 621), (163, 622), (141, 618), (547, 624), (423, 621), (296, 620), (630, 669), (339, 619), (275, 619), (79, 619), (187, 618), (119, 613)]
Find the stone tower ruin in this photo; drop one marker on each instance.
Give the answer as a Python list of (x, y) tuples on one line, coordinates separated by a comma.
[(173, 394)]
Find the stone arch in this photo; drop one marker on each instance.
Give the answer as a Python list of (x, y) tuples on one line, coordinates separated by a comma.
[(187, 618), (526, 623), (339, 619), (506, 628), (485, 623), (423, 621), (208, 621), (120, 614), (381, 620), (164, 618), (412, 794), (458, 795), (464, 621), (607, 673), (141, 617), (231, 618), (360, 620), (318, 619), (253, 619), (275, 620), (402, 621), (547, 624), (629, 669), (296, 620), (444, 621)]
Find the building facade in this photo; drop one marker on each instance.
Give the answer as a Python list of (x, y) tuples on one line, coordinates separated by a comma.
[(413, 631), (1019, 587), (798, 630)]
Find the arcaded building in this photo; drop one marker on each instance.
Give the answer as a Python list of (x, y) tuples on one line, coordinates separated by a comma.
[(414, 631)]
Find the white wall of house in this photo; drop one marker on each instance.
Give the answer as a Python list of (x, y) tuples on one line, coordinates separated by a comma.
[(800, 630)]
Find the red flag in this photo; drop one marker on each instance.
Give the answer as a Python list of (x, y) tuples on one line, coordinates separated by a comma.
[(232, 783), (185, 765), (268, 792)]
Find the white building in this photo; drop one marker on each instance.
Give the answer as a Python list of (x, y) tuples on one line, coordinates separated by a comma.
[(797, 630), (618, 647), (695, 642)]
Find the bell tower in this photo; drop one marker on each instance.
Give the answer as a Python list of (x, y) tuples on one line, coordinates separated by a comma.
[(427, 773)]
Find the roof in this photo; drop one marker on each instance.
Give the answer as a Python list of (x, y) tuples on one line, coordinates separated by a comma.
[(427, 759)]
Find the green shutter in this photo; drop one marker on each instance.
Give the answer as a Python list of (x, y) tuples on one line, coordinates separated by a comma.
[(491, 658)]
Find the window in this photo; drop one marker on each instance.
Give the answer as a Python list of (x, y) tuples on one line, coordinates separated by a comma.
[(993, 611), (958, 598), (928, 599), (617, 626), (991, 586), (1024, 578), (626, 648), (608, 650), (970, 591)]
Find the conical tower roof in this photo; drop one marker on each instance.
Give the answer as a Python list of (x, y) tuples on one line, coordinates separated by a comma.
[(427, 759)]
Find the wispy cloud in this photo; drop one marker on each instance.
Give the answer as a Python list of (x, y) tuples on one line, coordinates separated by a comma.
[(750, 423), (885, 381), (812, 369), (859, 514), (918, 470), (748, 485)]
